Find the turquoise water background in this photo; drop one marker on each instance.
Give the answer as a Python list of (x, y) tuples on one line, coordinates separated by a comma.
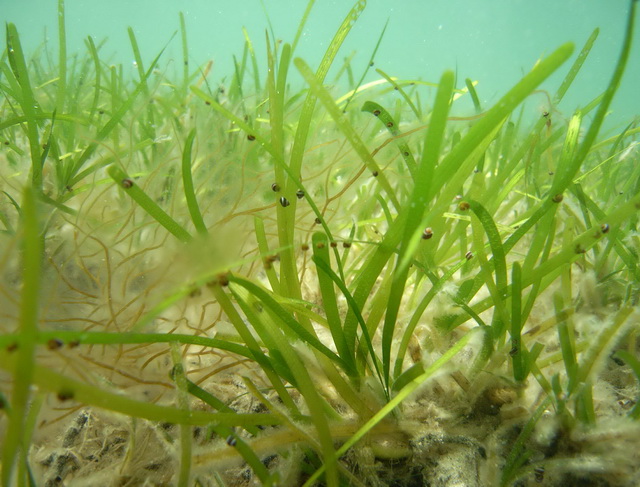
[(492, 41)]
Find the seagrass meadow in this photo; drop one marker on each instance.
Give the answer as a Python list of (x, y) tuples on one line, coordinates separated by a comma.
[(270, 282)]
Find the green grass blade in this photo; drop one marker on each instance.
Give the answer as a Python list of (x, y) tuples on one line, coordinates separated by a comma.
[(147, 204), (567, 341), (236, 320), (97, 88), (104, 338), (414, 212), (298, 370), (350, 334), (217, 404), (577, 65), (302, 24), (568, 165), (263, 247), (186, 436), (185, 51), (369, 65), (455, 167), (150, 121), (187, 181), (115, 119), (286, 317), (27, 101), (67, 388), (62, 59), (397, 400), (389, 123), (238, 121), (583, 242), (32, 244), (304, 122), (497, 249), (345, 346), (254, 61), (518, 450), (453, 162), (474, 95), (404, 95), (598, 118), (347, 129), (518, 353), (417, 314)]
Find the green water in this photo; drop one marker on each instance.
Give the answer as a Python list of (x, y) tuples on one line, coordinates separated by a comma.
[(492, 41)]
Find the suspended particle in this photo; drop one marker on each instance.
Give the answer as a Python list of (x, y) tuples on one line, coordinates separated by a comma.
[(604, 227), (427, 234), (626, 403), (223, 279), (284, 202), (231, 440), (275, 187), (251, 137), (54, 344), (300, 194), (127, 183), (558, 198), (415, 350), (468, 255), (463, 206), (65, 395), (269, 260), (547, 117)]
